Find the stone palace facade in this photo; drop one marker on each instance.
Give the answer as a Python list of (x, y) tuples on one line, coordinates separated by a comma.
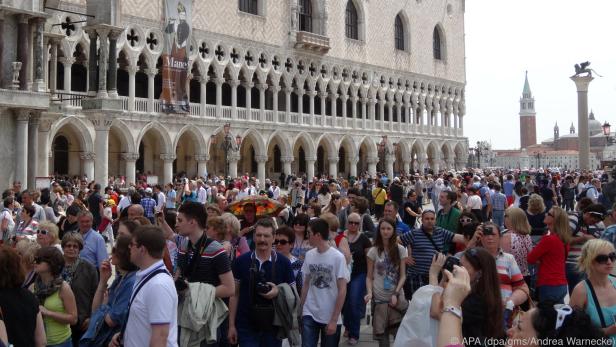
[(308, 86)]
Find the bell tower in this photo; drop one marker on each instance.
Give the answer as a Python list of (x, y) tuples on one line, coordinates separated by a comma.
[(528, 127)]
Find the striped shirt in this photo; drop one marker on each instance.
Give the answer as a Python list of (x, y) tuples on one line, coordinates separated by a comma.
[(578, 228), (509, 274), (422, 250), (213, 261)]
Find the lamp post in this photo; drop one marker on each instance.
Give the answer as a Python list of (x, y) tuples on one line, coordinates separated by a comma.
[(538, 156), (228, 145), (609, 140), (383, 149)]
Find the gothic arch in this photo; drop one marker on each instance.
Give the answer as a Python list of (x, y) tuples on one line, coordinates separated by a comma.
[(197, 136), (126, 136), (328, 144), (161, 131), (257, 140), (370, 145), (307, 144), (282, 140), (81, 129)]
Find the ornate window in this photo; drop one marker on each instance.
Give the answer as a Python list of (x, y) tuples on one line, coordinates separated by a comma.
[(351, 21), (305, 15), (399, 33), (436, 44), (249, 6)]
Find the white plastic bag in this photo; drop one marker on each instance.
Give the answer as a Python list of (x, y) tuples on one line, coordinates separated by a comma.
[(417, 328)]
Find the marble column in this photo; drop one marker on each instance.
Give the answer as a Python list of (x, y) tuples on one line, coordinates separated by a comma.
[(103, 63), (262, 88), (406, 166), (167, 167), (233, 159), (353, 166), (92, 63), (23, 33), (39, 81), (1, 47), (581, 84), (33, 148), (202, 164), (275, 90), (311, 95), (151, 74), (344, 99), (371, 112), (382, 109), (132, 72), (389, 165), (364, 115), (234, 84), (68, 64), (333, 166), (261, 160), (248, 87), (219, 82), (390, 109), (43, 141), (112, 74), (372, 161), (287, 104), (286, 166), (323, 98), (203, 94), (310, 168), (130, 170), (53, 69), (88, 164), (300, 106), (102, 124), (21, 148)]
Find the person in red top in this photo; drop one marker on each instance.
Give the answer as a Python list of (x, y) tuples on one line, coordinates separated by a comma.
[(551, 253)]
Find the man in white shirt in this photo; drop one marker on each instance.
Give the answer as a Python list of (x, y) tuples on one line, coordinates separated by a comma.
[(160, 198), (201, 192), (125, 201), (325, 281), (152, 308), (275, 190)]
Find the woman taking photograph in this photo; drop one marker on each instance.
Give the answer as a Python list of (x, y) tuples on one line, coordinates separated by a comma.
[(109, 305), (550, 253), (482, 309), (516, 239), (385, 278), (20, 309), (55, 296), (47, 235), (597, 294), (83, 279), (354, 306)]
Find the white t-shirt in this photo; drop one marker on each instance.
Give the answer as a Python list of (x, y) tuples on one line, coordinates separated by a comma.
[(474, 202), (156, 303), (5, 214), (324, 270)]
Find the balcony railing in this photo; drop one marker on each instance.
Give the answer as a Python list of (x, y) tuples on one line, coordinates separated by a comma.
[(312, 42)]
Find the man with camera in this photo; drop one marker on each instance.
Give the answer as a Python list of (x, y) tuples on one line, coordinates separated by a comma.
[(257, 274), (423, 243)]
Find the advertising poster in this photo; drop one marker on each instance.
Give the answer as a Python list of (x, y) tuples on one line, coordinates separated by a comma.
[(177, 29)]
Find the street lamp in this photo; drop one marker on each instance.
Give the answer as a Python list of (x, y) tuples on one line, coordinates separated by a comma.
[(383, 149), (609, 140), (228, 145), (538, 156)]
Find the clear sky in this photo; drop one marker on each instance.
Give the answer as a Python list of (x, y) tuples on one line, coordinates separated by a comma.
[(545, 37)]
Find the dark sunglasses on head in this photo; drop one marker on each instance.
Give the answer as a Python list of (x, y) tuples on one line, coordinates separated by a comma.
[(281, 242), (602, 258)]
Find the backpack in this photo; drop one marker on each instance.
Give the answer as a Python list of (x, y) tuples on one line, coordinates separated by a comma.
[(582, 194)]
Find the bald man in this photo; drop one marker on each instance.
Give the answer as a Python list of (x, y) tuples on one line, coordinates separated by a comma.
[(135, 210)]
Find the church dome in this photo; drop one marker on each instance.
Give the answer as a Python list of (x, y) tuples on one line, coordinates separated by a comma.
[(594, 126)]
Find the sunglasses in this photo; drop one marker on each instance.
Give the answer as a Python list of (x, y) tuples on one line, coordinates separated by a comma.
[(353, 223), (466, 220), (38, 260), (42, 232), (282, 242), (603, 258)]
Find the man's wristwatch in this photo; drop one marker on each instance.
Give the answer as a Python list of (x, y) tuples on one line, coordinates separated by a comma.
[(456, 311)]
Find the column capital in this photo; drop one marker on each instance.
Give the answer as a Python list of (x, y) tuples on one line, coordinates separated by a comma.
[(262, 86), (23, 115), (219, 81), (333, 160), (354, 160), (582, 82), (67, 60), (311, 159), (323, 94), (372, 160), (201, 157), (288, 90), (311, 93), (234, 83), (286, 159), (45, 124), (151, 72), (275, 88), (248, 84), (103, 32), (35, 119), (364, 100), (300, 91), (234, 156), (101, 122), (167, 157), (344, 97), (261, 158), (87, 156), (203, 79), (130, 156), (132, 69)]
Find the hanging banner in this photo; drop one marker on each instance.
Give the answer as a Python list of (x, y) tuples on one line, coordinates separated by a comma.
[(177, 29)]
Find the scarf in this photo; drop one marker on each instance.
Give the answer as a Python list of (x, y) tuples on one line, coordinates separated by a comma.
[(43, 291), (69, 271)]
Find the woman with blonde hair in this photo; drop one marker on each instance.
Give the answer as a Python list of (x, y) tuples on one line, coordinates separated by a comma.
[(47, 235), (239, 244), (597, 294), (27, 249), (550, 254), (516, 238), (535, 213)]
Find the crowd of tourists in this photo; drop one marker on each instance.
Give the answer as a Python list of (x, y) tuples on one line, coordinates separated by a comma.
[(474, 258)]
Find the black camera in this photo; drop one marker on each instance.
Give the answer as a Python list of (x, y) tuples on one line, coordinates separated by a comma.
[(487, 231), (263, 288), (450, 262)]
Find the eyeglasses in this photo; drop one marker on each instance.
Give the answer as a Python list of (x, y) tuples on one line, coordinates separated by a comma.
[(282, 242), (466, 220), (38, 260), (602, 258), (353, 223), (42, 232)]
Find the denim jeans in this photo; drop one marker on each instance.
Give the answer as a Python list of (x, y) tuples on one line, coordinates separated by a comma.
[(555, 294), (248, 337), (573, 276), (313, 330), (354, 308), (67, 343), (498, 217)]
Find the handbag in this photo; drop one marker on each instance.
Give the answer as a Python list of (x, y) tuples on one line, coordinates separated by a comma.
[(517, 312)]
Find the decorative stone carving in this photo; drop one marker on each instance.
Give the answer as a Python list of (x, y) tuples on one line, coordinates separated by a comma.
[(202, 157), (167, 157), (16, 65), (130, 156), (87, 156)]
